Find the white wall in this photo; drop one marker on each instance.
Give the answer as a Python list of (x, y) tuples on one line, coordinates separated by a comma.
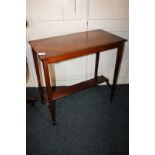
[(56, 17)]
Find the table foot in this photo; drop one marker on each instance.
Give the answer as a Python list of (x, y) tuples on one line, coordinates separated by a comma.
[(111, 97), (52, 111), (54, 123)]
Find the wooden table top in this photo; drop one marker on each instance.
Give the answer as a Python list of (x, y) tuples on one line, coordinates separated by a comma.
[(74, 45)]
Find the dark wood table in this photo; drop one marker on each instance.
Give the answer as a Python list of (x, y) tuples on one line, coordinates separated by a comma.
[(56, 49)]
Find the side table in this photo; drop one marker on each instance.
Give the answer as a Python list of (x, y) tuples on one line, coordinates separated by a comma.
[(56, 49)]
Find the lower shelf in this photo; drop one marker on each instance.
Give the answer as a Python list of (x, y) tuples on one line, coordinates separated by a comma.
[(57, 94)]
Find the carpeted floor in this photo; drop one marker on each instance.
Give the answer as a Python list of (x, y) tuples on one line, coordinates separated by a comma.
[(87, 124)]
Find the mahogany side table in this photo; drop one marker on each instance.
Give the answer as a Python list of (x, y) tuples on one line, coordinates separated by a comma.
[(56, 49)]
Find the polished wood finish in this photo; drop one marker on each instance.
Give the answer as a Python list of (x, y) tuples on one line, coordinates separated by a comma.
[(51, 104), (36, 63), (75, 45), (55, 49), (57, 94), (117, 67), (96, 66)]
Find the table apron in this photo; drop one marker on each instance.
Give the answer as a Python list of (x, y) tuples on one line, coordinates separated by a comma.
[(81, 53)]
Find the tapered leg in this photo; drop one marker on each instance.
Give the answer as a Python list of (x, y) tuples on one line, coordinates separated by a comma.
[(51, 104), (36, 63), (96, 65), (117, 67), (96, 69)]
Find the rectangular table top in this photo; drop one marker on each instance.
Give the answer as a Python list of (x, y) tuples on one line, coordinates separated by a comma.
[(74, 45)]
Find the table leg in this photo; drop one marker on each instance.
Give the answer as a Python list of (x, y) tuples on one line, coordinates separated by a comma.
[(96, 69), (96, 66), (51, 104), (35, 57), (117, 67)]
